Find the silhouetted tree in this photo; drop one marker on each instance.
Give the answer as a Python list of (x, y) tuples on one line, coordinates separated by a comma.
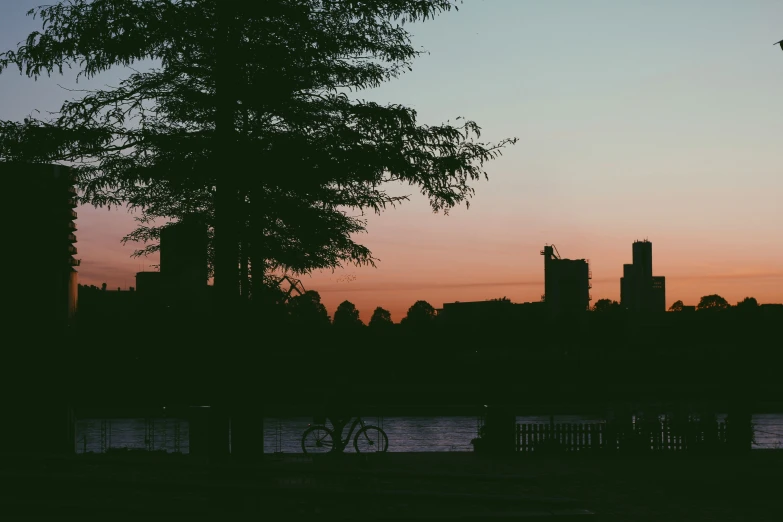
[(677, 306), (420, 315), (606, 305), (306, 310), (712, 302), (243, 122), (347, 316), (271, 300), (381, 318), (103, 287), (749, 303)]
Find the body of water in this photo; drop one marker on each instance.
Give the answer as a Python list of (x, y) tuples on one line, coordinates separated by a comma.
[(406, 434)]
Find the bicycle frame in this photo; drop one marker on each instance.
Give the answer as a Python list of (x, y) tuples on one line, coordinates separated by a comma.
[(344, 443), (338, 443)]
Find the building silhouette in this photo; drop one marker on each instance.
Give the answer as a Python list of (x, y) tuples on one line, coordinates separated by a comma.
[(489, 311), (183, 254), (772, 310), (640, 291), (107, 309), (182, 280), (566, 283), (43, 239)]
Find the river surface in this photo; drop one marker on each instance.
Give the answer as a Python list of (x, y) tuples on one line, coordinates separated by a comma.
[(406, 434)]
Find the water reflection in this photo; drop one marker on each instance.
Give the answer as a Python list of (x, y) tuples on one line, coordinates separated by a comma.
[(406, 434)]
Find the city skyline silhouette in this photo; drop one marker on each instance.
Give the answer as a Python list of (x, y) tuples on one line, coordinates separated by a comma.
[(609, 152), (318, 340)]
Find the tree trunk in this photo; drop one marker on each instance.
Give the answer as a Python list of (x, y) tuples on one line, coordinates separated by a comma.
[(226, 225), (244, 257), (740, 426), (500, 430), (226, 197), (245, 227)]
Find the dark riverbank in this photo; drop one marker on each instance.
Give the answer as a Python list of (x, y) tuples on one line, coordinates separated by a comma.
[(397, 486)]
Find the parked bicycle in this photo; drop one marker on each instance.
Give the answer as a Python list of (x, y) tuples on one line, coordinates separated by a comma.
[(319, 438)]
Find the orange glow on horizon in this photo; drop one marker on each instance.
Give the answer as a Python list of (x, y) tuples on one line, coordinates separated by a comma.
[(447, 264)]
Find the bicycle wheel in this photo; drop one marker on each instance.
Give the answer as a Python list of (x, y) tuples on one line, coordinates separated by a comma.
[(371, 439), (317, 439)]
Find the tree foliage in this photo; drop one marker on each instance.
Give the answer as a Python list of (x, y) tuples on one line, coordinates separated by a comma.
[(249, 101), (420, 315), (307, 311), (381, 318), (749, 303), (712, 302), (677, 306), (347, 316), (606, 305)]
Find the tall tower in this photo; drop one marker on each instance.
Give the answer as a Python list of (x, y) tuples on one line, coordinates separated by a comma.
[(642, 258), (640, 291)]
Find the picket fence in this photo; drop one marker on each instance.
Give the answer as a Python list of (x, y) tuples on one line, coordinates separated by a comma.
[(649, 436)]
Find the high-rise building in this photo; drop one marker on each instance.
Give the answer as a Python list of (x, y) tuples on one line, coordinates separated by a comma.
[(642, 258), (184, 269), (41, 294), (566, 283), (640, 291), (183, 253), (43, 240)]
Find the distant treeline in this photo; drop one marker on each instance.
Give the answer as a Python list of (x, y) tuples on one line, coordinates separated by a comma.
[(306, 310), (303, 324), (293, 349)]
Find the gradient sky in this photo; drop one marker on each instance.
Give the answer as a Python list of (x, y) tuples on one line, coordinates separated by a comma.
[(636, 119)]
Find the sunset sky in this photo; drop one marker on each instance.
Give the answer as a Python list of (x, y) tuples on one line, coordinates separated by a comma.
[(636, 119)]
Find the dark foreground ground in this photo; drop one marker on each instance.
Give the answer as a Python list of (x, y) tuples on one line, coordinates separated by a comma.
[(445, 486)]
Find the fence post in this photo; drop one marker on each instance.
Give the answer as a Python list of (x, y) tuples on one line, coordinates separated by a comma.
[(574, 437), (578, 437), (533, 437), (522, 436), (665, 433), (177, 438)]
